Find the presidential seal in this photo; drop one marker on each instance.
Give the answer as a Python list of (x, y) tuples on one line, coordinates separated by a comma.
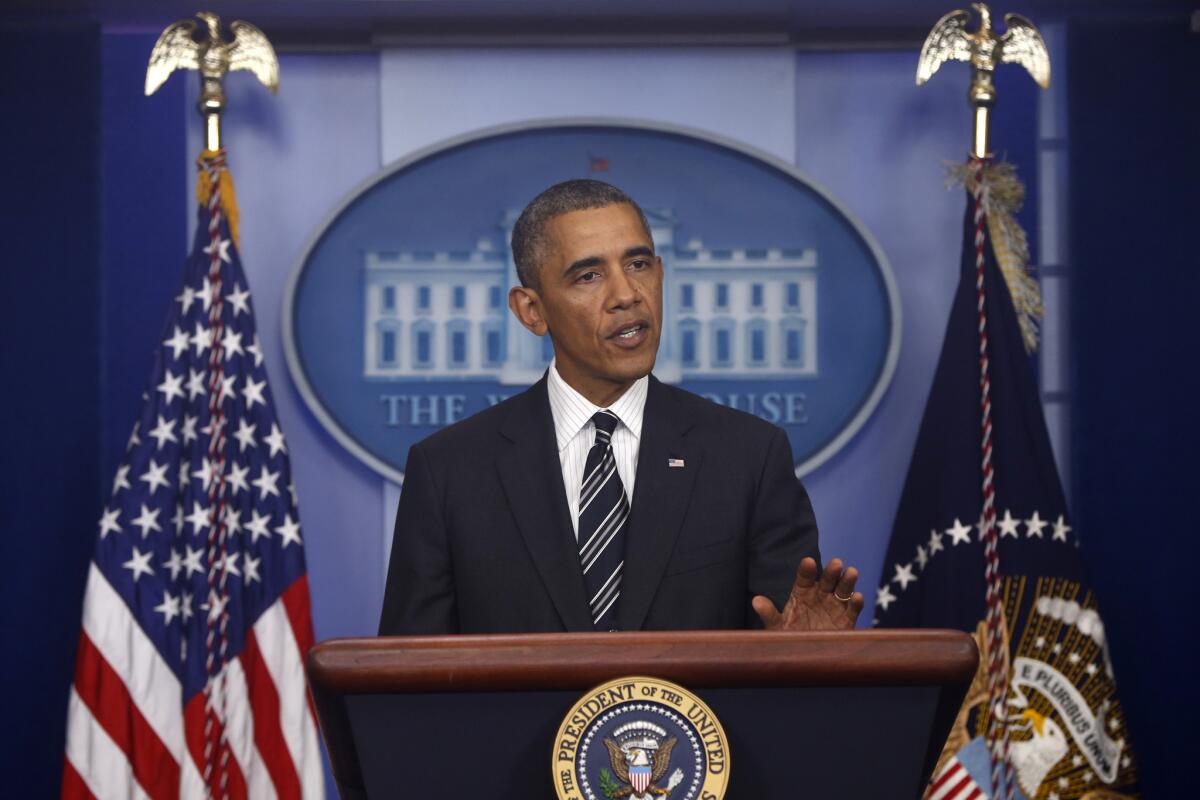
[(642, 739)]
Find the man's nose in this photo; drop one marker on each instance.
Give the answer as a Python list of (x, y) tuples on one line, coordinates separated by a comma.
[(622, 291)]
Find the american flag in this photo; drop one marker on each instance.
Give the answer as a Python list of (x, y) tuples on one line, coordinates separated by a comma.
[(189, 680)]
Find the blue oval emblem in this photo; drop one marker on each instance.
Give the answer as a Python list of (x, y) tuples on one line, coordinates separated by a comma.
[(775, 300)]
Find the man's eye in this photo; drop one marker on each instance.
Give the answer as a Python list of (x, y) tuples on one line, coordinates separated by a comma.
[(588, 277), (640, 263)]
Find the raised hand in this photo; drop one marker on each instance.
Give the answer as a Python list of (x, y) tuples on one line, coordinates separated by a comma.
[(827, 604)]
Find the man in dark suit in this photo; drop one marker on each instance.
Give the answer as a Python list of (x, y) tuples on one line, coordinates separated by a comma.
[(600, 498)]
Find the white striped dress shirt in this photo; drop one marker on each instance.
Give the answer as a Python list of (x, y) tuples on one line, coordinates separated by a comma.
[(576, 434)]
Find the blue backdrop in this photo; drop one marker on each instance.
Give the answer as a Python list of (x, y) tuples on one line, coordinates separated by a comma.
[(95, 217)]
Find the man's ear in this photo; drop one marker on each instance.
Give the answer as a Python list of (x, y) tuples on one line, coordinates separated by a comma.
[(526, 305)]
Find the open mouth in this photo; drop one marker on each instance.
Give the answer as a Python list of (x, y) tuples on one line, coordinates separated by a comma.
[(629, 331), (631, 336)]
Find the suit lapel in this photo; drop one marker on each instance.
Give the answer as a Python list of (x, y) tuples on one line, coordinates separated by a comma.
[(660, 499), (531, 475)]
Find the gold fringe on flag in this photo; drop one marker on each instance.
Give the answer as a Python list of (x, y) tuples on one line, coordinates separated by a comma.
[(1003, 195), (204, 189)]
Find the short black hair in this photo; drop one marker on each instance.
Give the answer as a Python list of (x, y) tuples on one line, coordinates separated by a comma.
[(528, 236)]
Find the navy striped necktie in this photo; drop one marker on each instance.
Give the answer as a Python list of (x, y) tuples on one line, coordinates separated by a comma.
[(603, 512)]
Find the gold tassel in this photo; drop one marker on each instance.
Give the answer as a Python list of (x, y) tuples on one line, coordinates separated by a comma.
[(204, 190), (1003, 195)]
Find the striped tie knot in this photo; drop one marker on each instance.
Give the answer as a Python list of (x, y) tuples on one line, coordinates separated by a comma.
[(606, 423)]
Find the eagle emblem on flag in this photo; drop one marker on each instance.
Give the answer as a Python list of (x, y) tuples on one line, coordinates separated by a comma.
[(1067, 733)]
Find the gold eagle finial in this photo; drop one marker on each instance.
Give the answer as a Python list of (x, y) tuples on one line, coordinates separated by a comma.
[(213, 57), (983, 49)]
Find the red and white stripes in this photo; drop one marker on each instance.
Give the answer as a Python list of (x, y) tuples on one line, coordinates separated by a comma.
[(954, 783), (129, 736)]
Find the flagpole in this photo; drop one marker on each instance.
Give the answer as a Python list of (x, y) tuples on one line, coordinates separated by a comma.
[(980, 139), (194, 626), (999, 743), (179, 47), (983, 49), (211, 105)]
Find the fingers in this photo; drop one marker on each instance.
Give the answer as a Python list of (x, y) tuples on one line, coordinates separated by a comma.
[(806, 579), (831, 575), (852, 608), (806, 573), (820, 599), (843, 582), (845, 589), (845, 585), (770, 616)]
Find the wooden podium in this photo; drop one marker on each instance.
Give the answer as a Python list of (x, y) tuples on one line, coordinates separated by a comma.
[(856, 714)]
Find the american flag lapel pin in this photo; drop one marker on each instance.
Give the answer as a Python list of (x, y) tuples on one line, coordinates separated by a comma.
[(675, 462)]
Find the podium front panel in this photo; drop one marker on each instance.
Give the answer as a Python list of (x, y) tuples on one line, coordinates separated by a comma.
[(785, 744), (853, 714)]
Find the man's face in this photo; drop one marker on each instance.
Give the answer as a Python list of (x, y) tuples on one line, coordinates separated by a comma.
[(600, 297)]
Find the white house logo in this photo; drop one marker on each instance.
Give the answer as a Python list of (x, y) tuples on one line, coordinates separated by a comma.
[(775, 301), (735, 313)]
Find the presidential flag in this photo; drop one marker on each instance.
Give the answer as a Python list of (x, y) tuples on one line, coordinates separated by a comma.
[(189, 680), (983, 542)]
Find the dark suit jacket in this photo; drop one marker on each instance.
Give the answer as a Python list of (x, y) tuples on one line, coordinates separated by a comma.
[(484, 541)]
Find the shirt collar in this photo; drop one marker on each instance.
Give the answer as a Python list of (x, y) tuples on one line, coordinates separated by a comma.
[(572, 411)]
